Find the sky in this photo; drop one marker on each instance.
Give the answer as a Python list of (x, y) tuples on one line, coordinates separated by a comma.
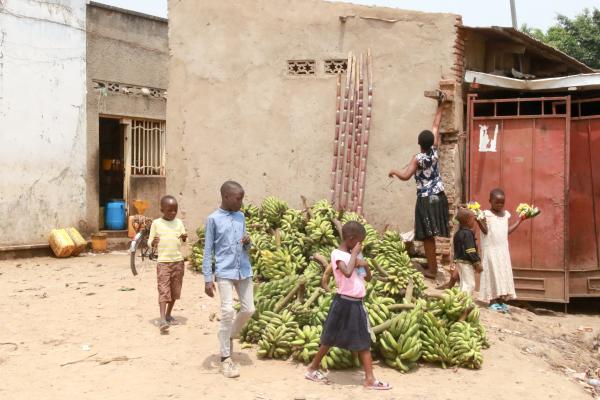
[(535, 13)]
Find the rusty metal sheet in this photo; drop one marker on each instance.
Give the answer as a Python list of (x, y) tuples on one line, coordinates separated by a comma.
[(595, 151), (583, 254), (517, 182), (548, 237)]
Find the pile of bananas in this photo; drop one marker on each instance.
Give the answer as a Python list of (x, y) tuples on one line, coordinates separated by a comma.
[(465, 345), (400, 345), (291, 307)]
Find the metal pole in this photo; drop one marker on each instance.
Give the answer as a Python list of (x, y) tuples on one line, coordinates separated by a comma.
[(513, 14)]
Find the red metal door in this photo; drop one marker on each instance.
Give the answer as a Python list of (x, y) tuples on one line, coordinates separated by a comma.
[(515, 145), (584, 201)]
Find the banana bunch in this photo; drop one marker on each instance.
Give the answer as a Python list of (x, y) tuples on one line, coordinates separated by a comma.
[(391, 255), (453, 304), (320, 231), (273, 210), (323, 209), (306, 343), (473, 319), (279, 287), (400, 345), (322, 309), (197, 256), (323, 249), (276, 342), (465, 345), (338, 358), (377, 310), (371, 239), (260, 241), (434, 337), (292, 221), (277, 264), (294, 240)]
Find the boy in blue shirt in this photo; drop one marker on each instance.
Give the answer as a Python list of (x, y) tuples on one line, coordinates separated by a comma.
[(226, 239)]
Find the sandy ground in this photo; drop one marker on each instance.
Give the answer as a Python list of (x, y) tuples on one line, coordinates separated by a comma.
[(60, 311)]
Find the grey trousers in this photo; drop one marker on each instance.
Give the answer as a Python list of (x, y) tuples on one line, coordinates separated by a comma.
[(231, 327)]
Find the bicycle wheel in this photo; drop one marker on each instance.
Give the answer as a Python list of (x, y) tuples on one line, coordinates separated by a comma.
[(139, 254)]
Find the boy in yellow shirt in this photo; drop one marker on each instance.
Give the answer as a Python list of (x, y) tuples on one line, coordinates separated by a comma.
[(166, 235)]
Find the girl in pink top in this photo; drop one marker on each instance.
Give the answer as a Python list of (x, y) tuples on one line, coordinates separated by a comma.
[(347, 325)]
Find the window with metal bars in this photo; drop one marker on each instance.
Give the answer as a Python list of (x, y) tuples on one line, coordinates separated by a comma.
[(148, 151)]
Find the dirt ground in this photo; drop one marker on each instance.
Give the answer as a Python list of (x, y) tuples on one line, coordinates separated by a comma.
[(74, 311)]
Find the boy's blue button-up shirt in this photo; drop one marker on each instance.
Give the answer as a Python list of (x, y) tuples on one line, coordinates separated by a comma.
[(223, 237)]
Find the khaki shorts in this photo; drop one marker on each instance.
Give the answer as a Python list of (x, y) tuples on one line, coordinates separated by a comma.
[(170, 278)]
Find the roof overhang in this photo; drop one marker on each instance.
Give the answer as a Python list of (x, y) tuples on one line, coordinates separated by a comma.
[(535, 46), (569, 82)]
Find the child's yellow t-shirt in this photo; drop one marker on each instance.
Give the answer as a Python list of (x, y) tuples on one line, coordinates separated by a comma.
[(169, 244)]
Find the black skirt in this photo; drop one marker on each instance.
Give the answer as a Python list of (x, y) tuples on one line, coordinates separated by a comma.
[(431, 217), (347, 325)]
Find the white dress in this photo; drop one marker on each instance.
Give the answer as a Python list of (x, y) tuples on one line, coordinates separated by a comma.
[(497, 277)]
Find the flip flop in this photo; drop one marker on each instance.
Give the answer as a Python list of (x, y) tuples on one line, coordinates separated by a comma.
[(504, 307), (378, 385), (316, 376), (163, 326), (498, 308)]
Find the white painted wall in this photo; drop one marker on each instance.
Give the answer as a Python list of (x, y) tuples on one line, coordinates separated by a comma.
[(42, 118)]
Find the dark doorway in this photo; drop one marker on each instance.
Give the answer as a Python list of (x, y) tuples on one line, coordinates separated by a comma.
[(111, 155)]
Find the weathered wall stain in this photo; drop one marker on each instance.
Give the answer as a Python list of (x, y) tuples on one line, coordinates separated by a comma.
[(42, 159)]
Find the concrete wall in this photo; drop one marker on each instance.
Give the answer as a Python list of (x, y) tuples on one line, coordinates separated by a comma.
[(234, 113), (42, 118), (127, 48)]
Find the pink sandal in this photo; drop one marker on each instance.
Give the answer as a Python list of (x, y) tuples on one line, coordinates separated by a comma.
[(378, 385)]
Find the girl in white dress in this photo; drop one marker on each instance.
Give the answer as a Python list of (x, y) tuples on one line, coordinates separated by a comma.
[(496, 285)]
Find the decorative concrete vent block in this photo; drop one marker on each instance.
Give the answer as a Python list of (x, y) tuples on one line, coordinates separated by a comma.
[(301, 67)]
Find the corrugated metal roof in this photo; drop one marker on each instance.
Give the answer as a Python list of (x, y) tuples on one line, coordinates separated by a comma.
[(537, 46), (569, 82)]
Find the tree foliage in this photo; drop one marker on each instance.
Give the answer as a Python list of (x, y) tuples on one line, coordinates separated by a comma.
[(578, 37)]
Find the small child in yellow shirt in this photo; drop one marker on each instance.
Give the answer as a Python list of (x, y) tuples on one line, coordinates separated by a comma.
[(166, 235)]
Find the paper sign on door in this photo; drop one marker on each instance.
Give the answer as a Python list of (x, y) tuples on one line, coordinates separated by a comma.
[(487, 144)]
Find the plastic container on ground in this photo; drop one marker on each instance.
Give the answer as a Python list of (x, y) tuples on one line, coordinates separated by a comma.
[(114, 219), (99, 243), (61, 243), (78, 240)]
